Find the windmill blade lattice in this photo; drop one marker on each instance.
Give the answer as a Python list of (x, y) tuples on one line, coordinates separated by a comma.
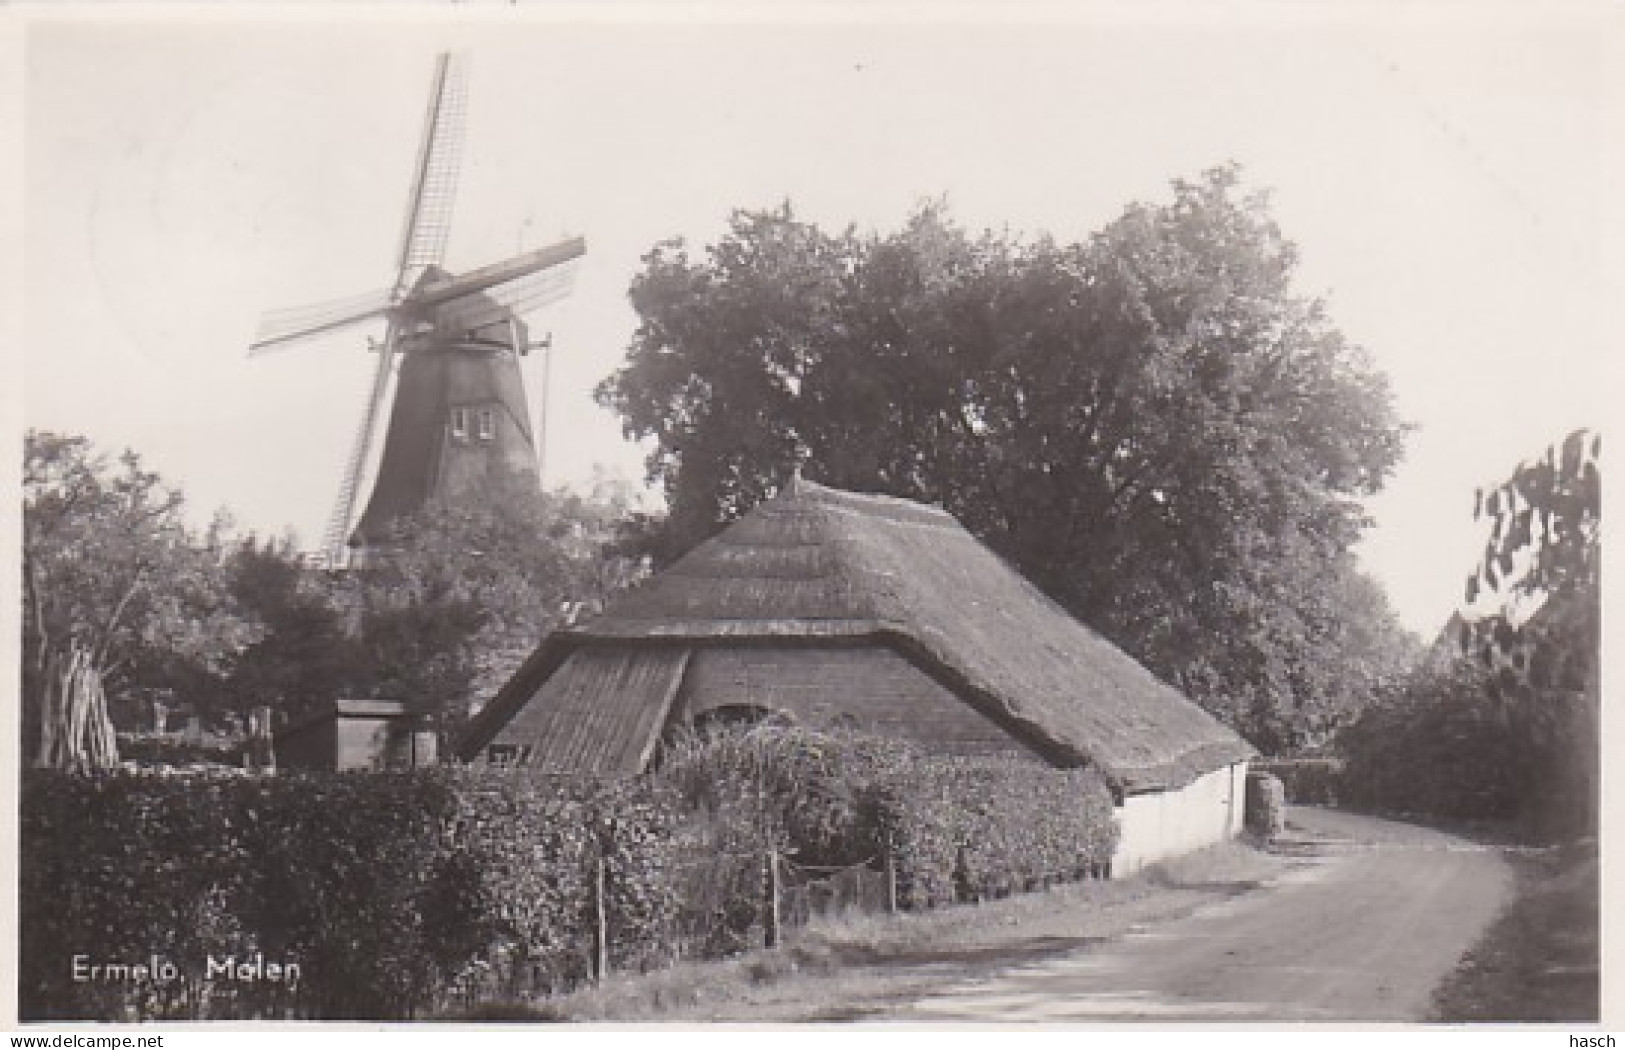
[(434, 185), (516, 298), (536, 291), (337, 535), (280, 328)]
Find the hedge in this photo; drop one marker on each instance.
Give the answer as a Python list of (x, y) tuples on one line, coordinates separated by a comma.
[(1443, 748), (956, 828), (395, 893), (965, 829), (410, 893)]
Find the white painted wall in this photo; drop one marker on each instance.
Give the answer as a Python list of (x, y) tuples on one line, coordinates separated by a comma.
[(1162, 824)]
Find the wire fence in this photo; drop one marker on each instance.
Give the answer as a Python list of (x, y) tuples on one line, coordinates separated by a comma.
[(810, 891), (734, 901)]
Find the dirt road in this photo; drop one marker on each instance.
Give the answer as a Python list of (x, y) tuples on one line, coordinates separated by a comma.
[(1364, 924)]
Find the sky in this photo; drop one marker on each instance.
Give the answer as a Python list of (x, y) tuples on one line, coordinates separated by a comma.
[(1446, 170)]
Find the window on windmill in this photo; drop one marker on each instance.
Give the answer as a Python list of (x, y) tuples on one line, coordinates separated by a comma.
[(459, 422), (488, 424)]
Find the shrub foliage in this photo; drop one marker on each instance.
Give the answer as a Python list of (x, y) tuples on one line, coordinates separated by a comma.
[(394, 893), (1442, 748), (957, 828), (415, 893)]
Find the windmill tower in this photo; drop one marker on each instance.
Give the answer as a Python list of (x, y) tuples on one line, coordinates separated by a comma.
[(458, 425)]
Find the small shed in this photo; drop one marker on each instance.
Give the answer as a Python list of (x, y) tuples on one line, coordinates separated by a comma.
[(833, 608), (357, 734)]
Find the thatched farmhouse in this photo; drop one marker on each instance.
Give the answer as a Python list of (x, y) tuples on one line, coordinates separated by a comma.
[(837, 609)]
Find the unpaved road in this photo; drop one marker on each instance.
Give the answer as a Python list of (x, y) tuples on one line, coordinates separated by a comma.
[(1367, 921)]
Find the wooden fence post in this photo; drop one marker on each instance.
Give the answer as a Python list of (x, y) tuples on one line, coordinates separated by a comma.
[(259, 754), (891, 881), (600, 961), (772, 938)]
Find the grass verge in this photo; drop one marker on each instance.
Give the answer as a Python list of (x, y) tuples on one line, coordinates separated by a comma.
[(854, 966), (1539, 961)]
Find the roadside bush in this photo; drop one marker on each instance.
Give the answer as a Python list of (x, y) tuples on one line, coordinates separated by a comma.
[(1442, 748), (517, 895), (755, 789), (799, 788)]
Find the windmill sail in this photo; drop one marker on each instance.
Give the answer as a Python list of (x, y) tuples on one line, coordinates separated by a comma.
[(280, 328), (456, 414), (517, 295), (506, 302), (423, 245), (434, 182), (337, 535), (436, 290)]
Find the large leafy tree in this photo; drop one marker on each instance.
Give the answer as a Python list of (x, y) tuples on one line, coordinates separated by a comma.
[(440, 614), (1538, 581), (1539, 641), (1150, 424), (119, 596)]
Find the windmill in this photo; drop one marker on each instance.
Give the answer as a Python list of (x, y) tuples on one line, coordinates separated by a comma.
[(458, 423)]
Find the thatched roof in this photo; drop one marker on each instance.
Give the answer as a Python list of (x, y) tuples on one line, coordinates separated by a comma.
[(819, 564)]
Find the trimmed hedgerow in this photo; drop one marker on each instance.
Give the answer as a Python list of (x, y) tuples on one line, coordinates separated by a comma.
[(112, 872), (394, 893), (971, 828), (404, 893), (1442, 748), (957, 828)]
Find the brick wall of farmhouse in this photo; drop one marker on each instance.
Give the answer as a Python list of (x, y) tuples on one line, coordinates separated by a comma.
[(872, 688)]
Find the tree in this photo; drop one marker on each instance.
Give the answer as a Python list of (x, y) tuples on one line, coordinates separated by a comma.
[(118, 595), (1151, 425), (308, 652), (1540, 641), (462, 593), (1539, 574), (1502, 720)]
